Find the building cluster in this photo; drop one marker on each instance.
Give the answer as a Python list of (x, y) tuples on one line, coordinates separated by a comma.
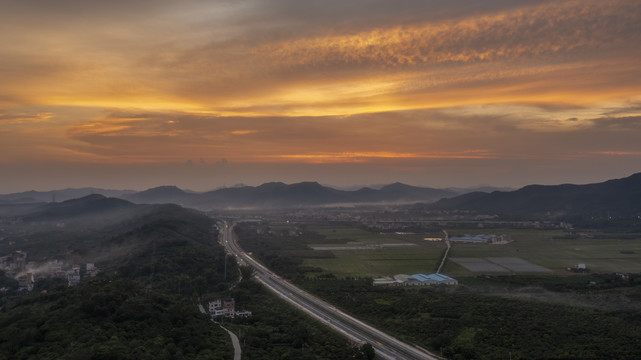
[(226, 308), (15, 261), (73, 275), (415, 280), (483, 238)]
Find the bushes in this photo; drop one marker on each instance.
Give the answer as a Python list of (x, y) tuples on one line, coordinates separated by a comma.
[(121, 319), (473, 326)]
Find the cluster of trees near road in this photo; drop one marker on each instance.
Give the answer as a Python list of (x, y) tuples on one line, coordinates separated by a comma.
[(278, 331), (162, 262), (463, 324), (282, 252)]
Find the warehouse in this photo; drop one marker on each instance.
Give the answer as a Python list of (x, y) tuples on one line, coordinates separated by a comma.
[(416, 280)]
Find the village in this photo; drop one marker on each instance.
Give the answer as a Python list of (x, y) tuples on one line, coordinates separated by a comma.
[(27, 273)]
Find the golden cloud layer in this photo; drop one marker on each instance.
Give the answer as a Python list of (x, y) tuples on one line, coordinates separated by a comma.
[(504, 81), (525, 32), (359, 157)]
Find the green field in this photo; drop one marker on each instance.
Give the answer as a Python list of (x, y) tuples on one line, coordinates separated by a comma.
[(423, 257), (343, 235), (381, 262), (544, 248)]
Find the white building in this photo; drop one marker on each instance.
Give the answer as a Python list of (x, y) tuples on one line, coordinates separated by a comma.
[(25, 282), (226, 308)]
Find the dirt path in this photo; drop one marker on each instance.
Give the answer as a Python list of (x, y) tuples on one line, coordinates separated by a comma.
[(447, 251), (234, 339)]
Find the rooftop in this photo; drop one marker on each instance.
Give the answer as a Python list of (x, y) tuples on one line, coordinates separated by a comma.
[(436, 277)]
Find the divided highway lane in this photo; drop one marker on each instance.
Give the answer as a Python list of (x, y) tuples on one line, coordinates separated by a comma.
[(387, 347)]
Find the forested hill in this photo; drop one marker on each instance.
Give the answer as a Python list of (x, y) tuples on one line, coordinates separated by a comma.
[(142, 303), (90, 205), (155, 266), (33, 196), (613, 198)]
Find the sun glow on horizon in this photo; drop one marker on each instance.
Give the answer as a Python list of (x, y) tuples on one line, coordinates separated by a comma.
[(356, 157)]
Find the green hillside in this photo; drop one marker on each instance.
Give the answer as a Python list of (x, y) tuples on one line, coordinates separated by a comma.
[(141, 306)]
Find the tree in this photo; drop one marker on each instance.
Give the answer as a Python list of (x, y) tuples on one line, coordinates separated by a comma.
[(246, 271), (368, 351)]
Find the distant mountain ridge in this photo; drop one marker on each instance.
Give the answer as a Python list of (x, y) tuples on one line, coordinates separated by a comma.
[(278, 194), (168, 194), (267, 195), (617, 197), (613, 197), (59, 195), (90, 205)]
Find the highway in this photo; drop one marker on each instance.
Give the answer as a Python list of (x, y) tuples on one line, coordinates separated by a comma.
[(386, 346)]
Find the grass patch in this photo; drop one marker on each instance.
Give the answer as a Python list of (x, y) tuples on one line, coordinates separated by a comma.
[(381, 262)]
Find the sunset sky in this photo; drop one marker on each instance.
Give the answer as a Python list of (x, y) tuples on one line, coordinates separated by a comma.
[(201, 93)]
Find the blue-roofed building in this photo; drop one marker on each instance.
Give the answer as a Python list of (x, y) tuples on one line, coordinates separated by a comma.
[(432, 279), (421, 277), (416, 280)]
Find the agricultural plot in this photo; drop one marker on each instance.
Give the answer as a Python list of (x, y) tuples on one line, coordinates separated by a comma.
[(361, 236), (551, 249), (381, 262), (361, 253), (499, 264), (349, 246), (478, 265), (517, 264)]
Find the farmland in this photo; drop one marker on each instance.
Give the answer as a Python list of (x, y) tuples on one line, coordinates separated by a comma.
[(533, 308), (550, 249), (423, 256), (602, 253)]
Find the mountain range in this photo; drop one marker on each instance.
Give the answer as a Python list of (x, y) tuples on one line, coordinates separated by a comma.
[(617, 197), (277, 194), (270, 195), (612, 198)]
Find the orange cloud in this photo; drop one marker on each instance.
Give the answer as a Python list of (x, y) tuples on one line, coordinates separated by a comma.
[(358, 157), (21, 117), (617, 153), (243, 132), (524, 54), (524, 32)]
